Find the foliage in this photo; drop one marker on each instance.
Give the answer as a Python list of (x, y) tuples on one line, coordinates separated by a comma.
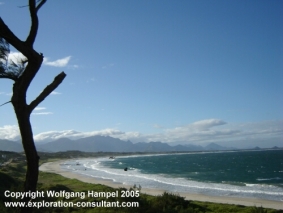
[(9, 68), (258, 210)]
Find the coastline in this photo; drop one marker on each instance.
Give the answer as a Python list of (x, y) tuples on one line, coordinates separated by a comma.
[(54, 167)]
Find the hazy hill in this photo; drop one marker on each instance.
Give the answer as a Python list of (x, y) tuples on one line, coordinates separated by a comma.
[(194, 147), (89, 144), (154, 147), (107, 144), (214, 146), (6, 145)]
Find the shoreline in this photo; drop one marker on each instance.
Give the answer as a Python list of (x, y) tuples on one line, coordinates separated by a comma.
[(54, 167)]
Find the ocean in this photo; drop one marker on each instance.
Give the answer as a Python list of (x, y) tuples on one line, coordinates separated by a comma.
[(253, 174)]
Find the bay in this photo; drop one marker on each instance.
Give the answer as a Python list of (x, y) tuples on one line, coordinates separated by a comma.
[(256, 174)]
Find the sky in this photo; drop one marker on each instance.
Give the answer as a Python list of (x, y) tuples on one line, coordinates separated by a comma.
[(187, 72)]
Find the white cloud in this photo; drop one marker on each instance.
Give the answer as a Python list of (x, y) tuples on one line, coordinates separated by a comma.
[(57, 63), (39, 108), (157, 126), (1, 3), (200, 133), (42, 113), (55, 93), (17, 57), (72, 134), (107, 66), (7, 94), (9, 132), (91, 80), (204, 124)]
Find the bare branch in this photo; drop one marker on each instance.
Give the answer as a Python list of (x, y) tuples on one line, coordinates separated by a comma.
[(5, 103), (40, 4), (34, 20), (37, 7), (10, 37), (22, 6), (34, 23), (48, 89)]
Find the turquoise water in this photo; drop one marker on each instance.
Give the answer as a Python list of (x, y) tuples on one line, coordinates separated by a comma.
[(256, 174), (264, 167)]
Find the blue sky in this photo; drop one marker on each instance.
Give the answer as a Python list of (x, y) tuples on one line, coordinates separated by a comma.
[(173, 71)]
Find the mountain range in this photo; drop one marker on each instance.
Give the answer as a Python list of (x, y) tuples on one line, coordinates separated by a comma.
[(107, 144)]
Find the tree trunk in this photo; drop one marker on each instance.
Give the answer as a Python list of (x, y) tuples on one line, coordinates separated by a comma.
[(22, 79), (30, 151), (23, 117)]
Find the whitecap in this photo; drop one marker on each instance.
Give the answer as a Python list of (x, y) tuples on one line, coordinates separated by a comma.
[(134, 176)]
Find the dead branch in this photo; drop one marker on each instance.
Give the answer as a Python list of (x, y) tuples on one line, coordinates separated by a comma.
[(5, 103), (48, 89)]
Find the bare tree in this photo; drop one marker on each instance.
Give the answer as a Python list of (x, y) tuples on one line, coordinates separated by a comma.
[(22, 74)]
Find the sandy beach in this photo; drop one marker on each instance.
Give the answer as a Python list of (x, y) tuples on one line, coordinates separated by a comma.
[(54, 167)]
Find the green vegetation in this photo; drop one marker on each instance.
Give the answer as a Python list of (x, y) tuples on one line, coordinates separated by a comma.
[(12, 177)]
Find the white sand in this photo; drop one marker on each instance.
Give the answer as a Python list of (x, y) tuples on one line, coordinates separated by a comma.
[(54, 167)]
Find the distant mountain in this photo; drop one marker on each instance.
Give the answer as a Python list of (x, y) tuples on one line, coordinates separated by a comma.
[(257, 148), (55, 146), (6, 145), (194, 147), (153, 147), (214, 146), (89, 144), (107, 144), (103, 144)]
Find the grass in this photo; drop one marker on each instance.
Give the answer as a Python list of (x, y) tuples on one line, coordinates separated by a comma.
[(12, 178)]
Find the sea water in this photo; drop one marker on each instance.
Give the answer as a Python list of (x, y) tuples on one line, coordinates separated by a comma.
[(254, 174)]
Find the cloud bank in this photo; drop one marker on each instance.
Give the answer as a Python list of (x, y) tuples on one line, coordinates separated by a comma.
[(9, 132), (199, 133)]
